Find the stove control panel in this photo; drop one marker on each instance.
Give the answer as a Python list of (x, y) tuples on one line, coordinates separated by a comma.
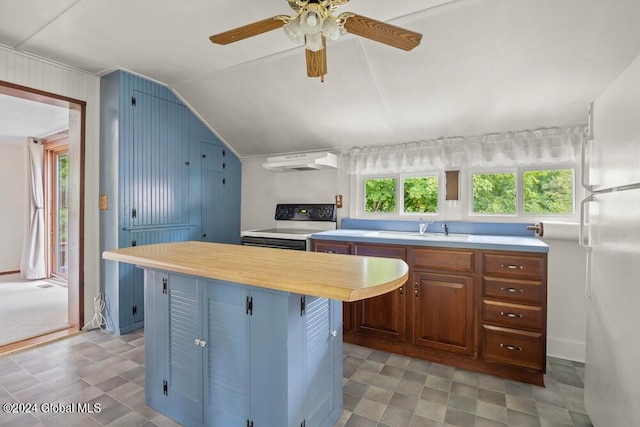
[(306, 212)]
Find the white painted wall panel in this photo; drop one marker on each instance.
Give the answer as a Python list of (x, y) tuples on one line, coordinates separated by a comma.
[(13, 194), (36, 73)]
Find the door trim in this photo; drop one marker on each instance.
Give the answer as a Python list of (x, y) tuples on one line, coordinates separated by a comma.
[(77, 131)]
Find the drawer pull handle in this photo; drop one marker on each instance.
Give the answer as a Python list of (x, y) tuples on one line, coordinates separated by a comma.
[(511, 347), (512, 266), (329, 251), (511, 315), (512, 290)]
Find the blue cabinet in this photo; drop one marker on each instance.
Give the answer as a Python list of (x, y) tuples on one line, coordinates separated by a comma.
[(226, 354), (151, 172)]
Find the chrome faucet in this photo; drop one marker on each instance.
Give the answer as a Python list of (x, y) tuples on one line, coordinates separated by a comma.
[(423, 227), (446, 229)]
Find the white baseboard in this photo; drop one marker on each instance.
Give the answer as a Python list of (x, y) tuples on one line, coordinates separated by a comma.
[(565, 349)]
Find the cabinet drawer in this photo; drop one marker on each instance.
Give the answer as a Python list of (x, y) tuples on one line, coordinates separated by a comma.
[(514, 347), (332, 247), (513, 315), (527, 292), (441, 259), (380, 251), (520, 265)]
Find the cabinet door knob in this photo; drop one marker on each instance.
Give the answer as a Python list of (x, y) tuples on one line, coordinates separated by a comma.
[(197, 341), (401, 289), (415, 289), (334, 333), (203, 343)]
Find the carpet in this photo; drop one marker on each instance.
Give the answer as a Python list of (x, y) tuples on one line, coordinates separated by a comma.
[(29, 308)]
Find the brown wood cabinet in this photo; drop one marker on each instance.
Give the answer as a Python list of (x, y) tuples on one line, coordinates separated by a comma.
[(338, 248), (383, 316), (442, 312), (479, 310), (514, 319)]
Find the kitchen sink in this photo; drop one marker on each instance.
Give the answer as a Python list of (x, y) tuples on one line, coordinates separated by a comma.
[(419, 236)]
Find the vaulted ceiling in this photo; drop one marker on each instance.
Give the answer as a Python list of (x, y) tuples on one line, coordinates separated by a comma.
[(483, 66)]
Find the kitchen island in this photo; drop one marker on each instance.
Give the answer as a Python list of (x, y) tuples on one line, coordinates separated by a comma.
[(248, 336)]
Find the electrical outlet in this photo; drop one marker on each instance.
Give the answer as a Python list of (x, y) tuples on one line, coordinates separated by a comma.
[(103, 202)]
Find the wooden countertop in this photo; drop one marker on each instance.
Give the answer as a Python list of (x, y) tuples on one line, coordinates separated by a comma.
[(334, 276)]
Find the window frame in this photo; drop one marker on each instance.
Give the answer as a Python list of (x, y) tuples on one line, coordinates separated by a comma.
[(520, 214), (400, 179)]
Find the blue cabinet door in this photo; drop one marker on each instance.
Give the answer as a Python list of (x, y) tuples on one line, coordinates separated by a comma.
[(220, 194), (184, 335), (159, 186), (227, 362), (322, 361)]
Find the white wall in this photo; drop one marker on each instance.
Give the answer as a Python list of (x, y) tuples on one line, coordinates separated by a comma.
[(567, 304), (262, 189), (13, 193), (32, 72)]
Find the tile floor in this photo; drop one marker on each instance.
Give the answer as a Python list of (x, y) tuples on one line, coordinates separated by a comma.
[(380, 389)]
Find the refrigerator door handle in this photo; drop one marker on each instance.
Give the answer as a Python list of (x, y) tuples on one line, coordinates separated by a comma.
[(587, 244), (587, 281), (583, 224), (583, 154)]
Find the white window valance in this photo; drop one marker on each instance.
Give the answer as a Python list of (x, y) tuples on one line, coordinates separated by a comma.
[(541, 146)]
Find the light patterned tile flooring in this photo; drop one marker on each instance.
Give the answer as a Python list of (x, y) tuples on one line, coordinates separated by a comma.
[(380, 389)]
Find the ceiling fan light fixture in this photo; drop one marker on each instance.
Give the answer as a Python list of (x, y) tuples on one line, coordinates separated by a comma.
[(311, 19), (314, 42), (330, 29), (294, 31)]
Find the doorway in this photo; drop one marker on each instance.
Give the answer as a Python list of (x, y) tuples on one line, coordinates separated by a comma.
[(65, 232)]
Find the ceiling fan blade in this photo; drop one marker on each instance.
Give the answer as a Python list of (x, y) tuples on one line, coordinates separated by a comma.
[(381, 32), (317, 61), (247, 31)]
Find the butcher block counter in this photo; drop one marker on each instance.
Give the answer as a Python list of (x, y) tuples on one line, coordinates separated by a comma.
[(243, 335), (306, 273)]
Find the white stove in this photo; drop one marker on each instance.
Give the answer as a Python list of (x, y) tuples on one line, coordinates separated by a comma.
[(295, 223)]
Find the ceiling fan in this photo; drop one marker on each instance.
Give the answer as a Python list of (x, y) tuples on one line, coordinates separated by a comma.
[(313, 22)]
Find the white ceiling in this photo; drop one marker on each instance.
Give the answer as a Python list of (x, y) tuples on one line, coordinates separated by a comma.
[(483, 66), (22, 118)]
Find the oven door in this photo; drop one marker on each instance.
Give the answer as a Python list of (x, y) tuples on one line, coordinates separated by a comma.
[(270, 242)]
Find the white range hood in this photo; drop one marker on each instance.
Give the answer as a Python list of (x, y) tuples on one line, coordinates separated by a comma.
[(302, 162)]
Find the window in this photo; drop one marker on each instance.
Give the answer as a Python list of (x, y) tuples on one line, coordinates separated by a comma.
[(548, 191), (380, 195), (494, 193), (544, 192), (419, 195)]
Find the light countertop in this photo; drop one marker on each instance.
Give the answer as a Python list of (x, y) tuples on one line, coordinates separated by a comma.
[(469, 241), (345, 278)]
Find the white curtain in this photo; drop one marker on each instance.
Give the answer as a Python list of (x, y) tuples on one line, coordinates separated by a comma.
[(33, 251), (542, 146)]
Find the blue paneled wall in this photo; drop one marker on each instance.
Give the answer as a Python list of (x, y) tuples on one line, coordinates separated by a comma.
[(167, 178)]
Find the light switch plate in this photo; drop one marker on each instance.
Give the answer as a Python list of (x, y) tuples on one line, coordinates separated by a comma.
[(103, 202)]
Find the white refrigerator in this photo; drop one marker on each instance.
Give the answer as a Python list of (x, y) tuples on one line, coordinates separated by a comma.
[(610, 229)]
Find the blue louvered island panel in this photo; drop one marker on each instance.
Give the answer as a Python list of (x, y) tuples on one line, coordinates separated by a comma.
[(226, 354)]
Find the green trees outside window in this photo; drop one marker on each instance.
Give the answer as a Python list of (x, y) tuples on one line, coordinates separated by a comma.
[(421, 194), (548, 191), (494, 193), (380, 195)]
